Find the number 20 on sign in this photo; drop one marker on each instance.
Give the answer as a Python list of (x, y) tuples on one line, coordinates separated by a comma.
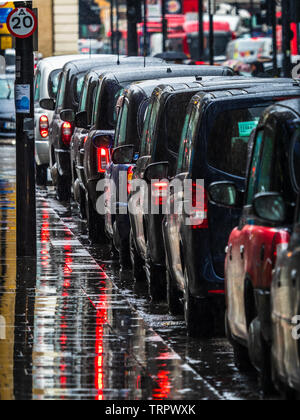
[(22, 22)]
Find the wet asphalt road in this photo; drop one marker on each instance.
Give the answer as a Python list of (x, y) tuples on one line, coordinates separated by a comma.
[(73, 327)]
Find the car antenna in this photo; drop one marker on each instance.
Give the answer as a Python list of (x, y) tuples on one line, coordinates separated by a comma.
[(145, 32)]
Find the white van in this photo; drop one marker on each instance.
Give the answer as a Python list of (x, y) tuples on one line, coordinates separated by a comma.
[(45, 86)]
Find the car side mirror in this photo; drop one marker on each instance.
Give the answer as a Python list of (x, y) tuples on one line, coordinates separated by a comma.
[(123, 155), (270, 207), (156, 171), (81, 120), (225, 194), (67, 115), (48, 104)]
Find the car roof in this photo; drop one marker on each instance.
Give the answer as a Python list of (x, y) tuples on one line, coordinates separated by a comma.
[(58, 61), (122, 75), (282, 111), (176, 83), (80, 65), (271, 89), (221, 86)]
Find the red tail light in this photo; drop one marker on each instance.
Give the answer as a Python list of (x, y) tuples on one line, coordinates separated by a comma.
[(102, 159), (44, 126), (66, 133), (198, 217), (129, 178), (160, 192)]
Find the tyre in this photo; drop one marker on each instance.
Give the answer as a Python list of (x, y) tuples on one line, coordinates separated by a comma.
[(41, 175), (241, 358), (241, 354), (156, 278), (63, 188), (137, 262), (173, 297), (96, 224), (198, 314), (124, 255), (82, 205)]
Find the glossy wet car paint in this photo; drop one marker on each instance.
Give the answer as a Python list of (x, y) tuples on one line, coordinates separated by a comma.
[(254, 245), (196, 255), (285, 306), (109, 89)]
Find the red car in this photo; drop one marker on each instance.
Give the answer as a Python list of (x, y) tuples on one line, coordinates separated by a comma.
[(263, 232)]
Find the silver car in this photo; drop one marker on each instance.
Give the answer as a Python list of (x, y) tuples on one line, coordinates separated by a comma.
[(46, 84)]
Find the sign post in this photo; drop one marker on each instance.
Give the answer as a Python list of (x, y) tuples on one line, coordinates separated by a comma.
[(22, 23)]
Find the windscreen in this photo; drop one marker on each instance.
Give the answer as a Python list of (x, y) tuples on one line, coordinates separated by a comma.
[(7, 89)]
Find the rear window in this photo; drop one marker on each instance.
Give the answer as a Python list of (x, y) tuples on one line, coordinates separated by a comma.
[(53, 83), (228, 141)]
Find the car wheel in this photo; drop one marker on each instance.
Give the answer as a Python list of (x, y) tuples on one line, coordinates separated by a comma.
[(156, 278), (137, 262), (198, 316), (82, 204), (63, 188), (241, 353), (124, 255), (41, 175), (173, 297), (96, 224)]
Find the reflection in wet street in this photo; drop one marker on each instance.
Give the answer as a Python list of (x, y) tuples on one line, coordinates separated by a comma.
[(73, 327)]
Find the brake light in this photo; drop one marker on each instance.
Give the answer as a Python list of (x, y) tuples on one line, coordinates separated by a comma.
[(66, 133), (129, 178), (216, 292), (160, 192), (85, 139), (102, 159), (198, 217), (44, 126)]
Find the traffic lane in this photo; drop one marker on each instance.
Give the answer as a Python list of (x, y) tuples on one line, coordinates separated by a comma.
[(89, 341), (213, 359)]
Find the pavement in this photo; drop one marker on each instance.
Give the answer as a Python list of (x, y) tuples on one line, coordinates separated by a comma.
[(73, 327)]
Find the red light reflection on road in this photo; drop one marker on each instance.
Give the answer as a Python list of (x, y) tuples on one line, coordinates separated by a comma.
[(101, 319)]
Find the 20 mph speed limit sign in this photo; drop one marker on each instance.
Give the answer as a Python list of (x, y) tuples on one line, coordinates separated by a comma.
[(21, 22)]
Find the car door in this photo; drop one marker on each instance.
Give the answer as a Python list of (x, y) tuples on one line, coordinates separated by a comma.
[(175, 220), (137, 219)]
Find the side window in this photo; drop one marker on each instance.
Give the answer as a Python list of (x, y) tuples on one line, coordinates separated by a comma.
[(37, 87), (96, 103), (188, 133), (83, 98), (145, 135), (260, 176), (61, 91), (122, 124), (295, 161)]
